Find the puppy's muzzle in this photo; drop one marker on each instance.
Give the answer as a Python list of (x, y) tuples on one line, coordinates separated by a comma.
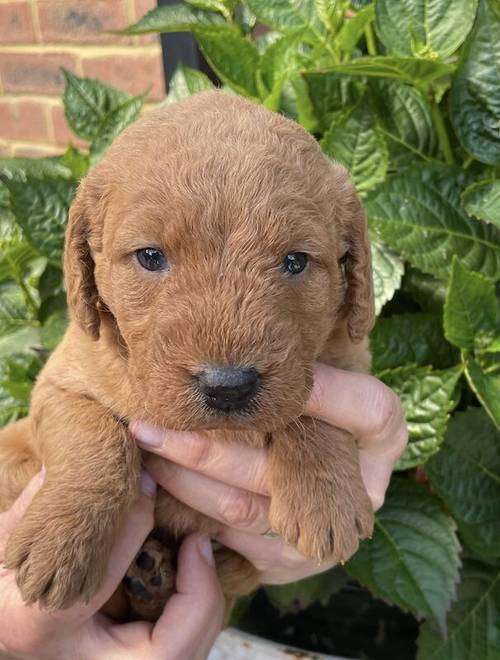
[(227, 388)]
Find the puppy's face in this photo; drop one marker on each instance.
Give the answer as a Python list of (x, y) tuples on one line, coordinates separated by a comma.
[(224, 269)]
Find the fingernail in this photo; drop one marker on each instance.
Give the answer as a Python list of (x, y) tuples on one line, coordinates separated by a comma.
[(147, 484), (147, 436), (205, 548)]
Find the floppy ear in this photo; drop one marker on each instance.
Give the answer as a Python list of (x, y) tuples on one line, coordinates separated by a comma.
[(81, 289), (359, 301)]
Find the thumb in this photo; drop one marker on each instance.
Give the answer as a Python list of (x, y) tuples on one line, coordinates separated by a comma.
[(10, 518), (192, 617)]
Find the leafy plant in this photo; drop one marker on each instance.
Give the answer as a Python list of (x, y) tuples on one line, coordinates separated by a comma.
[(406, 93)]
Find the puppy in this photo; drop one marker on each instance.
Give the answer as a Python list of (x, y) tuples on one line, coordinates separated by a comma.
[(211, 258)]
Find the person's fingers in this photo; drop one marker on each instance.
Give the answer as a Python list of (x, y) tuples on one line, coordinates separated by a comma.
[(276, 561), (229, 505), (192, 617), (369, 410), (234, 464), (10, 518)]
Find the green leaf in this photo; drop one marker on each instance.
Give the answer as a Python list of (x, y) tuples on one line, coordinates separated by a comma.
[(76, 161), (406, 339), (53, 329), (474, 620), (331, 93), (405, 120), (27, 337), (352, 29), (486, 385), (17, 377), (14, 313), (22, 169), (297, 596), (418, 214), (466, 475), (15, 260), (288, 15), (114, 123), (234, 58), (185, 82), (471, 311), (282, 58), (427, 398), (357, 143), (410, 70), (387, 273), (412, 560), (427, 291), (180, 17), (87, 102), (475, 91), (424, 28), (482, 200), (41, 209)]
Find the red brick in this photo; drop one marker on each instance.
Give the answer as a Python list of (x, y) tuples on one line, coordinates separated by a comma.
[(22, 72), (35, 150), (131, 73), (62, 132), (82, 21), (16, 23), (22, 120)]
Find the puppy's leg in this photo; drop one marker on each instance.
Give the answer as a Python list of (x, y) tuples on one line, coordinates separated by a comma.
[(61, 546), (318, 501)]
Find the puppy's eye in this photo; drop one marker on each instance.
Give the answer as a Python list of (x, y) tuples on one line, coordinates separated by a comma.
[(151, 258), (295, 262)]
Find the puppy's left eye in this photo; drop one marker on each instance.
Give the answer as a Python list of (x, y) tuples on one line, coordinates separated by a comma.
[(151, 258), (295, 262)]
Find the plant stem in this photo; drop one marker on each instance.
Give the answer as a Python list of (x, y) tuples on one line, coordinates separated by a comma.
[(370, 40), (443, 140)]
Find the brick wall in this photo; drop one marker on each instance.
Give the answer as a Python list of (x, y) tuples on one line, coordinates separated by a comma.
[(38, 37)]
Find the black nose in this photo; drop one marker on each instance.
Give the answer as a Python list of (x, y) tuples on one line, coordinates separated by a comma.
[(228, 388)]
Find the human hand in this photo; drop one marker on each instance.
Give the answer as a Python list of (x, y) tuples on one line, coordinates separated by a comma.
[(187, 628), (230, 482)]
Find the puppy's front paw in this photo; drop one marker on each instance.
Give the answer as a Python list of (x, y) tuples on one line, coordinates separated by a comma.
[(59, 558), (326, 522)]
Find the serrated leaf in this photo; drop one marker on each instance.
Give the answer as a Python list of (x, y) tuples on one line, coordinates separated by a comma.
[(17, 377), (475, 90), (482, 200), (411, 70), (418, 214), (297, 596), (356, 142), (471, 310), (405, 120), (14, 313), (180, 17), (405, 339), (424, 28), (87, 102), (114, 123), (474, 620), (41, 209), (22, 169), (185, 82), (413, 558), (387, 273), (282, 57), (76, 161), (352, 29), (466, 475), (233, 57), (427, 399), (486, 385), (331, 93)]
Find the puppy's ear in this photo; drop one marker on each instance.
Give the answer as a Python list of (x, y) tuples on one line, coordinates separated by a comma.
[(81, 289), (357, 265)]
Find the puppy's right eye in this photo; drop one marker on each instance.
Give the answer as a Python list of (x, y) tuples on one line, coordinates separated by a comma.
[(151, 258)]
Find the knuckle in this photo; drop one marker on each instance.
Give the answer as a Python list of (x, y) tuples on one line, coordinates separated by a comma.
[(241, 509), (388, 411), (198, 452)]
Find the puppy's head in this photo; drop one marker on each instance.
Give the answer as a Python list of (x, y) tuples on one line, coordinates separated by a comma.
[(226, 249)]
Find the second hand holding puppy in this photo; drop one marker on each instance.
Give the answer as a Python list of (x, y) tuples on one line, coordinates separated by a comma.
[(230, 483)]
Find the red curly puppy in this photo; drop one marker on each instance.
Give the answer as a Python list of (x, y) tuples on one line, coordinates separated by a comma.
[(212, 257)]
